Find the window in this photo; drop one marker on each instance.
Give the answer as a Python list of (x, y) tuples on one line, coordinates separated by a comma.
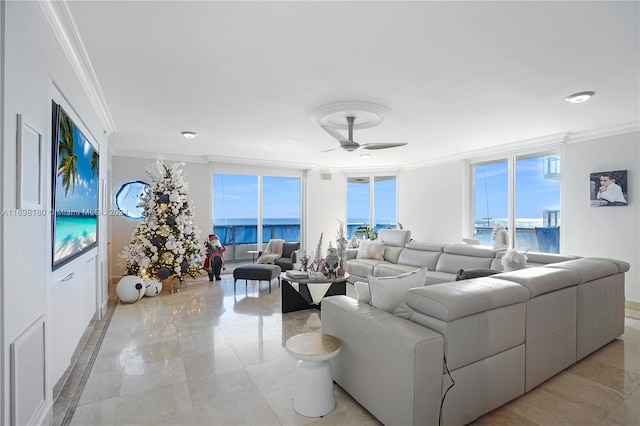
[(128, 198), (248, 209), (358, 195), (280, 208), (491, 201), (371, 201), (537, 203), (533, 210), (235, 214)]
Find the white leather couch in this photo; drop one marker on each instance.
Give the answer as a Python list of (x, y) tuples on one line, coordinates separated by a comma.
[(496, 337), (442, 260)]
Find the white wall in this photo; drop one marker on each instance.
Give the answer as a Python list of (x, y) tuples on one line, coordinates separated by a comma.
[(123, 169), (326, 203), (603, 231), (431, 202), (34, 67)]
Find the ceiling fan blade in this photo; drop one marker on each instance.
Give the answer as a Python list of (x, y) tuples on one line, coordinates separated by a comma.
[(332, 149), (382, 145), (336, 134)]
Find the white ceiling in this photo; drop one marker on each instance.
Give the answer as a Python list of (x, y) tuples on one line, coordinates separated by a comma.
[(456, 76)]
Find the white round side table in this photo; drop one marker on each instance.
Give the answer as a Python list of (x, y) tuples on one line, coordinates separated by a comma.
[(313, 388)]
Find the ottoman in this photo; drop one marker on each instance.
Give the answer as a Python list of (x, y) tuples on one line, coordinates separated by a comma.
[(259, 272)]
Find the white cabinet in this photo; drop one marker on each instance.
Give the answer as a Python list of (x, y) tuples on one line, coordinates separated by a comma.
[(72, 307)]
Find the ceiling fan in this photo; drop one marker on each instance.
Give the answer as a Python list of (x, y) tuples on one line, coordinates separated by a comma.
[(350, 145)]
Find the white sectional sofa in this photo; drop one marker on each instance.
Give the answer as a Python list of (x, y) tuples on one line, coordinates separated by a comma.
[(495, 337), (442, 260)]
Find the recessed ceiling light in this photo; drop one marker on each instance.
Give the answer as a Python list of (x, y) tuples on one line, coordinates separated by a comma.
[(576, 98), (365, 155), (189, 135)]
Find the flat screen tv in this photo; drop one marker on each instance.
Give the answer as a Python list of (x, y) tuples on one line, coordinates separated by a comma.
[(75, 190)]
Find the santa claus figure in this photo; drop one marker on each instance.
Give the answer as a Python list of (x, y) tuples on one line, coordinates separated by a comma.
[(214, 260)]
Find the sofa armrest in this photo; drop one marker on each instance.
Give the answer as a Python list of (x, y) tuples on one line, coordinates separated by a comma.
[(401, 360)]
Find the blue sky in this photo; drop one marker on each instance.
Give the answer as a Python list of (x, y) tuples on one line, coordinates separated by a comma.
[(384, 201), (236, 196), (85, 195), (534, 193)]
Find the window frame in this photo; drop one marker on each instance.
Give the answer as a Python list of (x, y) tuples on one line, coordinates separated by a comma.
[(119, 190), (372, 177), (510, 157), (259, 172)]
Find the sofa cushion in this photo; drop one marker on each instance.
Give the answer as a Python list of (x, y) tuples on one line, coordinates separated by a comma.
[(417, 245), (371, 250), (449, 301), (541, 280), (288, 248), (362, 292), (589, 268), (469, 250), (394, 237), (392, 253), (386, 269), (362, 267), (451, 263), (388, 292), (419, 258)]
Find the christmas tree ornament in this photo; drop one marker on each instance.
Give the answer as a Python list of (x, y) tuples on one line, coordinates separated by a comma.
[(130, 289)]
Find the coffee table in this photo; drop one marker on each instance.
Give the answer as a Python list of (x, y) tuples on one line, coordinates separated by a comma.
[(302, 293)]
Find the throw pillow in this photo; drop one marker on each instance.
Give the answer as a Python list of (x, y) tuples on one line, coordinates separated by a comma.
[(388, 292), (362, 292), (474, 273), (371, 250)]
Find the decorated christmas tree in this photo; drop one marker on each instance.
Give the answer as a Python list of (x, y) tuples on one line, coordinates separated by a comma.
[(165, 244)]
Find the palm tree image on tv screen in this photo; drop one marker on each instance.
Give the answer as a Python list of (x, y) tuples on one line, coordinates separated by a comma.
[(75, 197)]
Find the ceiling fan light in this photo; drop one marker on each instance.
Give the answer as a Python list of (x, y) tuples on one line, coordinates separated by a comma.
[(365, 155), (189, 135), (580, 97)]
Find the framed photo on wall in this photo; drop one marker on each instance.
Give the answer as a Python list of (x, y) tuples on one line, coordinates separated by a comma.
[(608, 188)]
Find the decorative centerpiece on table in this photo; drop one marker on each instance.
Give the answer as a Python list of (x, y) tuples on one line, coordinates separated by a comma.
[(317, 268), (304, 261), (165, 244), (341, 243), (332, 262)]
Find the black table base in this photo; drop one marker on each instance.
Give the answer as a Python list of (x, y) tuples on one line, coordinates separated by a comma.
[(294, 300)]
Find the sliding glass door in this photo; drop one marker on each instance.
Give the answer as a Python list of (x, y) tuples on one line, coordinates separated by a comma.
[(249, 210)]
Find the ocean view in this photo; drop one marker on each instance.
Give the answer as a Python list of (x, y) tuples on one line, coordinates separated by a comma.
[(245, 231)]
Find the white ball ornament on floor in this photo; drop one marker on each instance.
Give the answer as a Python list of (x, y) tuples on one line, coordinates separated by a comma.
[(130, 289), (153, 287)]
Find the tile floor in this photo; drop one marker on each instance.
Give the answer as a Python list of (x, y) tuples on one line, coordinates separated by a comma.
[(205, 356)]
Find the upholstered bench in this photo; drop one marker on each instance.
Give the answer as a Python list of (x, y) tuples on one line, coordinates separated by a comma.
[(258, 272)]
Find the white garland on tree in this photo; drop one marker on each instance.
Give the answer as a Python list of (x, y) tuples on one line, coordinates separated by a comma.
[(166, 242)]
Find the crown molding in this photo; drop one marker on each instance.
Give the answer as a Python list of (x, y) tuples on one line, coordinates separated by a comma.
[(66, 32), (520, 147), (618, 129), (154, 156), (216, 159)]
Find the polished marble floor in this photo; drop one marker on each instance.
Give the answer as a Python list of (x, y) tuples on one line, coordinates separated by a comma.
[(204, 356)]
